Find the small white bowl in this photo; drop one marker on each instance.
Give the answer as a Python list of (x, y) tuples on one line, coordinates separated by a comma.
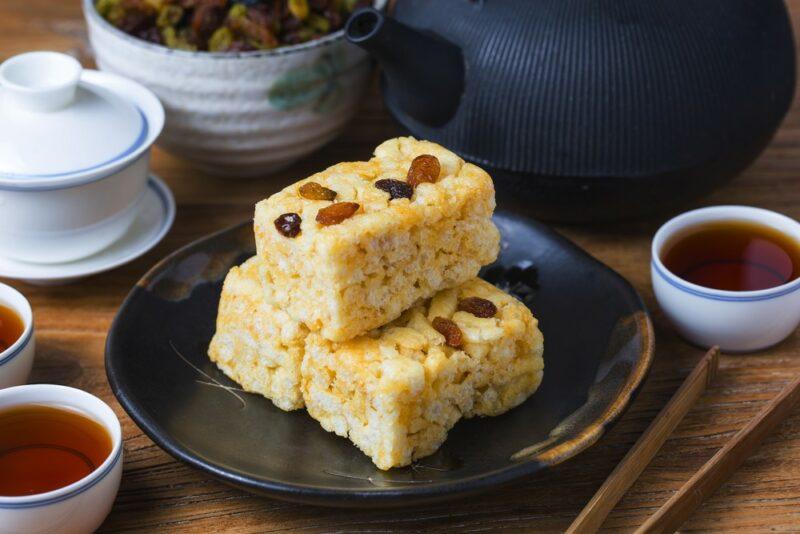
[(82, 506), (16, 361), (737, 321), (242, 114), (74, 156)]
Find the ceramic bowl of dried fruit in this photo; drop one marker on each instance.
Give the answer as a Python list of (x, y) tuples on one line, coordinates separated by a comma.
[(244, 113)]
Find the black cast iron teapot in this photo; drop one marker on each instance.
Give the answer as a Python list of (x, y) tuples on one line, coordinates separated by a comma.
[(589, 109)]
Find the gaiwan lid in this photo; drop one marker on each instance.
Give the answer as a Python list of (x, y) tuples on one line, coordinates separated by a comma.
[(56, 124)]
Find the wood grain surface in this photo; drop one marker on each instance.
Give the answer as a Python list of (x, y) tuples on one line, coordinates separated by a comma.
[(160, 494), (725, 462), (647, 446)]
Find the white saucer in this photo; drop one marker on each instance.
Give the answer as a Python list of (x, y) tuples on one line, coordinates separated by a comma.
[(155, 217)]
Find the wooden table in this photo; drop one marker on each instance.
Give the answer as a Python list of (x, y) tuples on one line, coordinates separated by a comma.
[(158, 493)]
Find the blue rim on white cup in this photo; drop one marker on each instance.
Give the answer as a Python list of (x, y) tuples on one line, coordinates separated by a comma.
[(16, 361), (83, 505), (737, 321)]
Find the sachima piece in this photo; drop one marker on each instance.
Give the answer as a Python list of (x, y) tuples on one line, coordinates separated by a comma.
[(257, 344), (352, 247), (398, 390)]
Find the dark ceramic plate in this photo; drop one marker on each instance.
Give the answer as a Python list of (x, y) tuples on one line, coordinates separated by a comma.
[(598, 349)]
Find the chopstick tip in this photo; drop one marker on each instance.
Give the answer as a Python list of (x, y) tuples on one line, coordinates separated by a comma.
[(712, 356)]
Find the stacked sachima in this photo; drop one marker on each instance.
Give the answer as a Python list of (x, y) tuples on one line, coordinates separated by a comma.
[(363, 304)]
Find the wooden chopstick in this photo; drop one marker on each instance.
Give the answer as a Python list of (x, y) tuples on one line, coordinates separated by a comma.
[(722, 465), (646, 447)]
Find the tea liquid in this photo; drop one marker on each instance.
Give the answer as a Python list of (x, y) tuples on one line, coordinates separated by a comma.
[(43, 448), (734, 256), (11, 327)]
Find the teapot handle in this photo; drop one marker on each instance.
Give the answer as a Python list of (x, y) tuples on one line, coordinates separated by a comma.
[(424, 73)]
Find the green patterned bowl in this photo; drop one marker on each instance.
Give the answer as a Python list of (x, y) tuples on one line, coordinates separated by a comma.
[(242, 114)]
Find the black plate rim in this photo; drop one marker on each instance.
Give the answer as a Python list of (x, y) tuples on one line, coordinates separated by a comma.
[(327, 496)]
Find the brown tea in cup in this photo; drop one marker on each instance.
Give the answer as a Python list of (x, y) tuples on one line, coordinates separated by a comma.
[(11, 327), (44, 448), (734, 256)]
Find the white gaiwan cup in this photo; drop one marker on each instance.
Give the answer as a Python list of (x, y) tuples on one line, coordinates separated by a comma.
[(737, 321), (83, 505), (74, 154), (16, 361)]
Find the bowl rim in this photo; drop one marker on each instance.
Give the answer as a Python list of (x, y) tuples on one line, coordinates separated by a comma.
[(700, 216), (98, 406), (26, 314), (92, 16)]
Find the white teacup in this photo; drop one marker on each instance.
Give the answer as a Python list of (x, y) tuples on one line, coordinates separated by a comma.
[(83, 505), (16, 361), (737, 321)]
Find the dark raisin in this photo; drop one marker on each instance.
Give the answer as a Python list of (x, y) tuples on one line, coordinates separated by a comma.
[(292, 38), (151, 34), (262, 15), (291, 24), (288, 224), (336, 213), (260, 35), (314, 191), (450, 331), (334, 18), (207, 17), (249, 3), (478, 307), (135, 22), (240, 46), (424, 168), (395, 188)]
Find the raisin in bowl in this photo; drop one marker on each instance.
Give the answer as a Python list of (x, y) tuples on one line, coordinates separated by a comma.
[(240, 113)]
